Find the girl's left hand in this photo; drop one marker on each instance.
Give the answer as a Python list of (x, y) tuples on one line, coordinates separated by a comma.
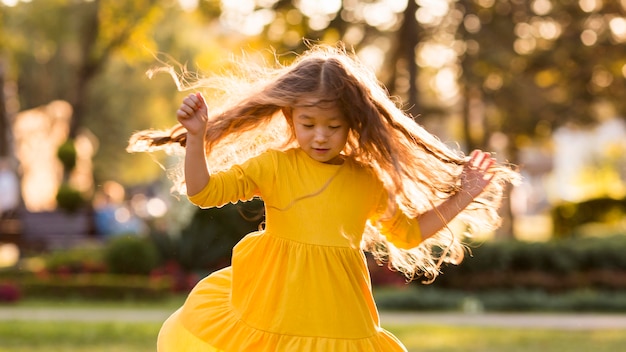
[(476, 173)]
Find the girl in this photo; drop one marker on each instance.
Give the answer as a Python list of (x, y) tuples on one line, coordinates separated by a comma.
[(341, 170)]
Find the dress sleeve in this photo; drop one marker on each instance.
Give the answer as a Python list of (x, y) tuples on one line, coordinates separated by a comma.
[(404, 232), (239, 183)]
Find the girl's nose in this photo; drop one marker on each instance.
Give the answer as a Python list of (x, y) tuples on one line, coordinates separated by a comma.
[(321, 135)]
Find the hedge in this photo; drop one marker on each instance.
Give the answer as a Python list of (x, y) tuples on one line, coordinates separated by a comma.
[(95, 286), (429, 298), (559, 265)]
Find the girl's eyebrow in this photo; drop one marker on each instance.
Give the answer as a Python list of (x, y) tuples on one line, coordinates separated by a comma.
[(307, 117)]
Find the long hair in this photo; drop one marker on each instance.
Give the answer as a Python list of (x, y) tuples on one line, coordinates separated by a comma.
[(250, 113)]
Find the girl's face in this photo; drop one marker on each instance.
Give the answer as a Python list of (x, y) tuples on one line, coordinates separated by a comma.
[(322, 132)]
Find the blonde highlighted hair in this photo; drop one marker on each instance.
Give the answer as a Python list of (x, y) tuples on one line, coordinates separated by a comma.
[(250, 114)]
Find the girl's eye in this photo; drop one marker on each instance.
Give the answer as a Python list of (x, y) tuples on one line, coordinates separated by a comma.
[(334, 127), (307, 126)]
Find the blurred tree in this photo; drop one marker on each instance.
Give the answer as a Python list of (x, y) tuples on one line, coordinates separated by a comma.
[(556, 56), (529, 67), (4, 118), (384, 33), (95, 54), (61, 46), (523, 68)]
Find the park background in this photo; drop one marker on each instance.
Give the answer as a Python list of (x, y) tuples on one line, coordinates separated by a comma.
[(539, 83)]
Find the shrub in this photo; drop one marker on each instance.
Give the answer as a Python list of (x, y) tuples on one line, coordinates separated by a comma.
[(69, 199), (207, 242), (131, 254), (96, 286), (567, 218), (557, 265), (76, 260), (67, 155), (9, 292), (428, 298)]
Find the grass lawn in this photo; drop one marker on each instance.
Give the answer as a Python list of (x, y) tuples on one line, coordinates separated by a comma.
[(138, 337), (480, 339)]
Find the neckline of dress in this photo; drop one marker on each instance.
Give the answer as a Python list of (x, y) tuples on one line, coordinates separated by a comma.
[(310, 160)]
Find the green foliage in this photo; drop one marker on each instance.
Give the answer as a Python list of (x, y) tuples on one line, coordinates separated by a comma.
[(75, 260), (568, 217), (95, 286), (430, 298), (555, 266), (131, 254), (69, 199), (78, 336), (120, 336), (67, 155), (9, 292), (207, 242)]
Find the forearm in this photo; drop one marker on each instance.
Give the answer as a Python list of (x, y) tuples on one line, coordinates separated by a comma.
[(196, 170), (435, 219)]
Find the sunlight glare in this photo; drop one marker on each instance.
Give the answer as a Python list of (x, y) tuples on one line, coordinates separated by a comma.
[(122, 215), (396, 5), (435, 55), (589, 37), (601, 77), (472, 23), (313, 8), (9, 254), (523, 30), (257, 20), (383, 14), (431, 11), (618, 28), (242, 16), (240, 6), (590, 5), (377, 15), (547, 28), (541, 7), (156, 207), (319, 12), (445, 84), (493, 81), (486, 3), (188, 5), (524, 46), (372, 56)]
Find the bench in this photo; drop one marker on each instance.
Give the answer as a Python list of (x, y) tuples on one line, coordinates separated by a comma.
[(55, 230)]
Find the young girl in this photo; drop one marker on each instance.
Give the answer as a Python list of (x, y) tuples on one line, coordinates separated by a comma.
[(341, 170)]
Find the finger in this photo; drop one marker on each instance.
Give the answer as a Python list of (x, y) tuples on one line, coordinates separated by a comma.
[(197, 100), (194, 102), (181, 114), (190, 102), (476, 159), (487, 162), (185, 108), (200, 98)]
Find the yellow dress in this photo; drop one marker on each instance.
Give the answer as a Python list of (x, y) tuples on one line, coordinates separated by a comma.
[(302, 283)]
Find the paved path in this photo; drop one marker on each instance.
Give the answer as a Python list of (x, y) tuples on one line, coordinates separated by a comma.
[(567, 321)]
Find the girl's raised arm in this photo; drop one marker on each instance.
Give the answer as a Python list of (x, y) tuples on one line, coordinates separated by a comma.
[(193, 115), (475, 177)]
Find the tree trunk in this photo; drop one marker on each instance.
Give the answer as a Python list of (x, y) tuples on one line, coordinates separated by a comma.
[(4, 118), (406, 44)]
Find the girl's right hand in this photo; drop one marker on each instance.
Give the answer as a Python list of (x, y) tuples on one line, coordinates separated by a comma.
[(193, 114)]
